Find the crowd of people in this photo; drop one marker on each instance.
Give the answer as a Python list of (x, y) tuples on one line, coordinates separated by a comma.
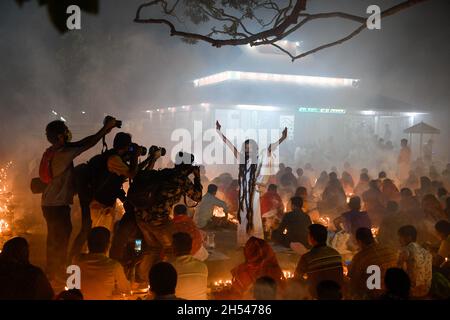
[(356, 235)]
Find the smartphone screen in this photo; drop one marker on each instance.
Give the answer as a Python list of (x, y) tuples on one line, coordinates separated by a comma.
[(138, 245)]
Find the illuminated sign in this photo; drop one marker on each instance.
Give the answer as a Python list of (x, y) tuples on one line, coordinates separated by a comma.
[(272, 77), (322, 110)]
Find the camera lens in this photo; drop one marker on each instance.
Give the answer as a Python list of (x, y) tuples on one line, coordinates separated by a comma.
[(163, 152)]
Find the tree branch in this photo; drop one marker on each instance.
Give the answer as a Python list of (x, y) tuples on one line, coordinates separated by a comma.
[(286, 22)]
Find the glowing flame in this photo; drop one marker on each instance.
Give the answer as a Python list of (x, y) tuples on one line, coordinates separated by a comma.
[(218, 212), (374, 231), (325, 221), (4, 226), (288, 274)]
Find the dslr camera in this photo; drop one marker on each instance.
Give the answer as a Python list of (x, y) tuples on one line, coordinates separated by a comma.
[(134, 147), (118, 122), (154, 149)]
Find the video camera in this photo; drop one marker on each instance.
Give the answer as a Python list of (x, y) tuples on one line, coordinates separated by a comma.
[(118, 122)]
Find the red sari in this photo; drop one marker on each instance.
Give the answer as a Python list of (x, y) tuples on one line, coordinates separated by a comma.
[(260, 261)]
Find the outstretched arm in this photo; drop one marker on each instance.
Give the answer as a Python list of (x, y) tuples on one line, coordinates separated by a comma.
[(91, 141), (225, 139), (275, 145)]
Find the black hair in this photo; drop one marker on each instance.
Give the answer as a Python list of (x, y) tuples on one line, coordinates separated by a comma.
[(355, 203), (121, 140), (98, 240), (397, 282), (71, 294), (443, 226), (212, 188), (265, 288), (297, 202), (328, 290), (182, 243), (382, 175), (319, 233), (408, 231), (163, 279), (54, 129), (272, 187), (16, 249), (180, 209), (365, 236)]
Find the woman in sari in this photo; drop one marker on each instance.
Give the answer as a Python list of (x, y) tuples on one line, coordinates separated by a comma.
[(260, 261)]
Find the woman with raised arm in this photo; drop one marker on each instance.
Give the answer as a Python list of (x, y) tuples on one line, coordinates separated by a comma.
[(250, 182)]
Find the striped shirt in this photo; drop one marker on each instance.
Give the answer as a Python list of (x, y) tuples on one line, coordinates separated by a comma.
[(319, 264)]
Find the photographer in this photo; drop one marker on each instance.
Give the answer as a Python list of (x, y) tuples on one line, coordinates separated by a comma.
[(153, 194), (56, 173), (110, 170)]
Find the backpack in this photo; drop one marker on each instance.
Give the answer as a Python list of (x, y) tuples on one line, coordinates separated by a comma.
[(39, 184), (45, 167)]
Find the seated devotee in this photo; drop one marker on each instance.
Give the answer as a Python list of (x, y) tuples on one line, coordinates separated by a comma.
[(101, 277), (432, 208), (192, 273), (289, 176), (205, 209), (354, 219), (183, 223), (19, 279), (442, 258), (294, 226), (347, 182), (392, 221), (425, 187), (321, 183), (329, 290), (363, 184), (410, 205), (370, 253), (390, 190), (163, 281), (397, 284), (260, 261), (280, 173), (70, 295), (333, 197), (416, 261), (303, 180), (374, 201), (321, 262), (265, 288), (272, 208)]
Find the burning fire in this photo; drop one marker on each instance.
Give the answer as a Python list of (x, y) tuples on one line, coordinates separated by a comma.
[(288, 274), (374, 231), (219, 213), (4, 226), (325, 221), (5, 200)]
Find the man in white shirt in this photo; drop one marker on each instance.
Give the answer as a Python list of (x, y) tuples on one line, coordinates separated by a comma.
[(205, 209), (192, 273), (101, 277), (416, 261)]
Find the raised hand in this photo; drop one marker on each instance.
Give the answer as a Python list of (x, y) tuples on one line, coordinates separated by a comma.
[(284, 134)]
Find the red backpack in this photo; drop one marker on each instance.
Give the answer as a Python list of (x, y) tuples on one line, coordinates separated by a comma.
[(45, 169)]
